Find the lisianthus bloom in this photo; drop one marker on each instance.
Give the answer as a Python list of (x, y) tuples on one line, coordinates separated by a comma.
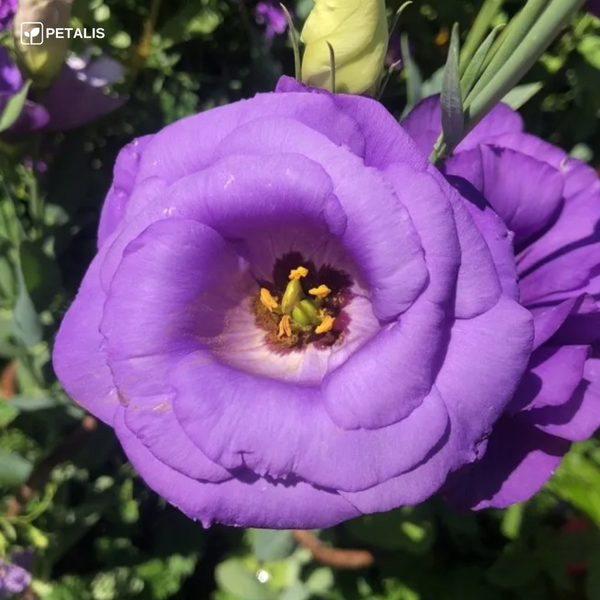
[(14, 579), (357, 31), (270, 14), (292, 318), (77, 97), (7, 13), (551, 205)]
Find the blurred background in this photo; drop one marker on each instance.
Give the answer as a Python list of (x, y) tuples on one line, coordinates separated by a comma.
[(73, 513)]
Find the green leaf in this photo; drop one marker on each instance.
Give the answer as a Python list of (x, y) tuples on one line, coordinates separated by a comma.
[(31, 403), (320, 580), (520, 95), (406, 528), (577, 481), (474, 69), (235, 578), (511, 521), (514, 568), (270, 544), (14, 108), (165, 577), (14, 469), (414, 80), (40, 273), (453, 118), (26, 323), (7, 413), (589, 48)]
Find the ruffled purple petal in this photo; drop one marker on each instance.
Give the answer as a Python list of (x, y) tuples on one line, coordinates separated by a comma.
[(527, 200), (124, 175), (239, 501), (79, 355), (553, 375), (518, 461)]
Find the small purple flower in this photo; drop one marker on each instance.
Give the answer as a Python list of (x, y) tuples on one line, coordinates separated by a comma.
[(292, 318), (8, 8), (77, 97), (14, 579), (594, 7), (551, 205), (270, 14)]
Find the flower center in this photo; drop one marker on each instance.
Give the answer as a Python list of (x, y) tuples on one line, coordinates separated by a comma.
[(304, 306)]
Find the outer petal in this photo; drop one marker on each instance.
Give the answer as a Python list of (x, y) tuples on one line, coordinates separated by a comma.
[(124, 175), (174, 262), (252, 502), (278, 429), (553, 375), (474, 403), (192, 141), (424, 124), (518, 461), (499, 240), (576, 420), (79, 355), (383, 141), (565, 258), (527, 200)]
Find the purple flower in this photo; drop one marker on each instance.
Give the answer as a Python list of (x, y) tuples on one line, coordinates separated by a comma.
[(292, 318), (13, 579), (594, 7), (77, 97), (270, 14), (8, 8), (551, 205)]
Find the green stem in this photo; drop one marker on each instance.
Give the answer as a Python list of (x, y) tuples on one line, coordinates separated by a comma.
[(537, 40), (478, 31), (516, 32)]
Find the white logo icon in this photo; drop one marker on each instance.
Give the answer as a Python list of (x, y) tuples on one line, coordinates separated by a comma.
[(32, 33)]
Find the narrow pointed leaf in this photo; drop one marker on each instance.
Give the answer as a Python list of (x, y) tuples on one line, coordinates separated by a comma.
[(14, 108), (453, 120), (474, 69), (414, 80), (522, 94), (295, 40)]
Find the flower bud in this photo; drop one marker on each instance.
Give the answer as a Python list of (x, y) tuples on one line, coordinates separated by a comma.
[(41, 62), (357, 31)]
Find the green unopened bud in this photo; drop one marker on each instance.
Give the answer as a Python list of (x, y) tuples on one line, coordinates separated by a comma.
[(293, 293), (40, 56), (358, 33)]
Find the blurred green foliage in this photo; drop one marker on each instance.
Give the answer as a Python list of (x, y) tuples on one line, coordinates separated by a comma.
[(66, 491)]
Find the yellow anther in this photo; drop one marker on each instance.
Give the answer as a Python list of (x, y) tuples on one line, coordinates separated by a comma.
[(267, 300), (320, 292), (298, 273), (285, 327), (326, 325)]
